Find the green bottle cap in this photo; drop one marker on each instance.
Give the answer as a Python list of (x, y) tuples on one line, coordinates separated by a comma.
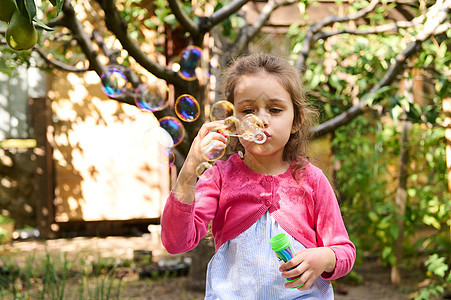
[(279, 242)]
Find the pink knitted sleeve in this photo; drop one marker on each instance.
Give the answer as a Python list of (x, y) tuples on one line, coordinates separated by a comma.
[(184, 224), (331, 231)]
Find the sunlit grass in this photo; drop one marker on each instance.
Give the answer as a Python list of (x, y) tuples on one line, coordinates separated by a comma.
[(56, 277)]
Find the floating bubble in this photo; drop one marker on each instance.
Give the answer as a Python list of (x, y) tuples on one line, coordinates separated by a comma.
[(189, 60), (158, 135), (187, 108), (259, 137), (152, 97), (251, 126), (221, 110), (214, 150), (205, 171), (113, 82), (232, 124), (141, 120), (213, 68), (166, 158), (174, 127)]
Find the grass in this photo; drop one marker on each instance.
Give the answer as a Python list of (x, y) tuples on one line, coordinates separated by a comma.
[(56, 277)]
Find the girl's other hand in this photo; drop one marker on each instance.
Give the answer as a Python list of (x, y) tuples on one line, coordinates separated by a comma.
[(207, 133), (308, 264)]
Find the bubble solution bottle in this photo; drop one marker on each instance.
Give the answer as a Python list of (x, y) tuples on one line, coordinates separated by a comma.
[(281, 245)]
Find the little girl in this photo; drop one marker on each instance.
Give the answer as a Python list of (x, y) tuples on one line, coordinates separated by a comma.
[(261, 191)]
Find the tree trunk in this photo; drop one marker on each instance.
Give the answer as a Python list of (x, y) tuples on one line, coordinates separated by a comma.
[(401, 190), (200, 256), (401, 198), (447, 110)]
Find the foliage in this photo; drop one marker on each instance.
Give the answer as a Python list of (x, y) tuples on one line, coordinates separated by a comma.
[(437, 270), (5, 220), (53, 277), (4, 234), (367, 183), (340, 71)]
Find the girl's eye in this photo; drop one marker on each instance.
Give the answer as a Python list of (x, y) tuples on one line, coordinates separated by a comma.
[(275, 110), (247, 111)]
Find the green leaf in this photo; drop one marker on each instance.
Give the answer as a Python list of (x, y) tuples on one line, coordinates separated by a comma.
[(27, 8), (430, 220), (42, 24), (395, 112), (59, 5), (170, 19)]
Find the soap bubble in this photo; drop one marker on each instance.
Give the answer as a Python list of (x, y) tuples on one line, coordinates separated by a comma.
[(221, 110), (232, 124), (152, 97), (259, 137), (141, 120), (159, 135), (214, 150), (113, 82), (187, 108), (166, 158), (189, 60), (213, 68), (252, 129), (158, 140), (205, 171), (174, 127)]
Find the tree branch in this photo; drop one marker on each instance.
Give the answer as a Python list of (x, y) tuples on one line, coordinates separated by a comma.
[(432, 23), (56, 63), (183, 18), (58, 21), (111, 54), (392, 27), (225, 12), (82, 38), (118, 27), (314, 28), (252, 30)]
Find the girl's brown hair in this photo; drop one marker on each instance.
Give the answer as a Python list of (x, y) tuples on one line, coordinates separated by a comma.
[(304, 115)]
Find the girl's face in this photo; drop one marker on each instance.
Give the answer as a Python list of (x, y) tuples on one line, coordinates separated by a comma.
[(262, 95)]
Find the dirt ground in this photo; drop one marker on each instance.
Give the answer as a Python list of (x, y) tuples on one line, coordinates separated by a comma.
[(375, 283)]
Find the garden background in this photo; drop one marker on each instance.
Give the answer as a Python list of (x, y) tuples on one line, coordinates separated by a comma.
[(77, 162)]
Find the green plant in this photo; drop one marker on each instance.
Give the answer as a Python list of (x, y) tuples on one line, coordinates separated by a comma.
[(366, 181), (6, 225), (56, 277), (5, 220), (437, 270)]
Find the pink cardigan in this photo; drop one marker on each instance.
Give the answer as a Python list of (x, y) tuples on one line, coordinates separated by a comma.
[(236, 197)]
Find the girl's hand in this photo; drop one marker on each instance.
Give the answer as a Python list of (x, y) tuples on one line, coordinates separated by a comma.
[(185, 186), (308, 264), (207, 133)]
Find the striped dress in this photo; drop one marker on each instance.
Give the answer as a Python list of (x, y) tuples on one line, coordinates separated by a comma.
[(245, 267)]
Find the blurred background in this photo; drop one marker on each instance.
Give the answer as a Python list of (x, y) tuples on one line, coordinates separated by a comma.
[(82, 158)]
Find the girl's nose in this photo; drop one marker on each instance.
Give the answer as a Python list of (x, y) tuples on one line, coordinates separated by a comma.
[(265, 119)]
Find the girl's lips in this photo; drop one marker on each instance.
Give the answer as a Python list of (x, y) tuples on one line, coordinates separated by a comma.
[(267, 133)]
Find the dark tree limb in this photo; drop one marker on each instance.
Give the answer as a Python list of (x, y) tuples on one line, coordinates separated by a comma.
[(433, 22), (392, 27), (314, 28), (225, 12), (56, 63), (252, 30), (111, 54), (82, 38), (118, 27), (183, 18)]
